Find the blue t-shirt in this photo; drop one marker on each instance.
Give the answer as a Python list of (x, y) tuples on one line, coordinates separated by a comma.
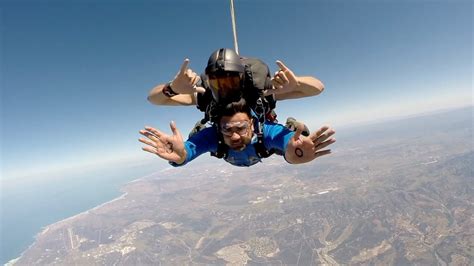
[(275, 136)]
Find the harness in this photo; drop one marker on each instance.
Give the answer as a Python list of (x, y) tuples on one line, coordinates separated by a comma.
[(257, 80), (223, 150), (261, 114)]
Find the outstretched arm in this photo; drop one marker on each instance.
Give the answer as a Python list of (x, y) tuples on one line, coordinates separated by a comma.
[(184, 84), (168, 147), (286, 85), (301, 149), (157, 97)]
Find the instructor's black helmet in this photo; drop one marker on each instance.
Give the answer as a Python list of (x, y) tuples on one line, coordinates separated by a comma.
[(224, 75)]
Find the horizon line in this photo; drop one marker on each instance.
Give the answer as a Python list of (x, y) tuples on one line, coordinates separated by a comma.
[(96, 164)]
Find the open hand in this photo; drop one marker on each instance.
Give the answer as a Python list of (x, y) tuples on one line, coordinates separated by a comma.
[(168, 147), (185, 80), (302, 149)]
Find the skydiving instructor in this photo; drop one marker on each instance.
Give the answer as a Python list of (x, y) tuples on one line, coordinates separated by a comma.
[(183, 88)]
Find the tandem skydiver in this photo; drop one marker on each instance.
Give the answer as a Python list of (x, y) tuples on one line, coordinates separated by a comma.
[(231, 81), (229, 77), (234, 137)]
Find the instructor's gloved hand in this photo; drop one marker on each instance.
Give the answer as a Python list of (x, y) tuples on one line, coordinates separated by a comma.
[(185, 81)]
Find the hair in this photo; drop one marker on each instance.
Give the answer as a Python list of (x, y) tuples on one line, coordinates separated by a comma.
[(232, 108)]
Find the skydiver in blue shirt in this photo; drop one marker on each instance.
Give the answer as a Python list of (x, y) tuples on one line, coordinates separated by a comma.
[(234, 137)]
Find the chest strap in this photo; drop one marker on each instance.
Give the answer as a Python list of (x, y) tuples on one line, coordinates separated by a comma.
[(223, 150)]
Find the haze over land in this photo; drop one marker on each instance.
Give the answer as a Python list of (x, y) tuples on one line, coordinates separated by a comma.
[(393, 193)]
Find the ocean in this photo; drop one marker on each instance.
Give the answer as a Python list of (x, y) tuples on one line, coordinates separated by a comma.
[(29, 204)]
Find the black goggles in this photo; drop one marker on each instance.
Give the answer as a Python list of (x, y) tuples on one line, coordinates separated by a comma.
[(225, 86)]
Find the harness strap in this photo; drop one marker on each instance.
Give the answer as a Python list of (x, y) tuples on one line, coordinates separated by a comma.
[(260, 148), (222, 148)]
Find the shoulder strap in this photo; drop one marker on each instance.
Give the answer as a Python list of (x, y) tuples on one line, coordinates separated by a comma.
[(203, 99), (260, 148), (222, 148), (257, 81)]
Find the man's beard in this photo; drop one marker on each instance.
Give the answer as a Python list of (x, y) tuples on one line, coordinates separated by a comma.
[(239, 147)]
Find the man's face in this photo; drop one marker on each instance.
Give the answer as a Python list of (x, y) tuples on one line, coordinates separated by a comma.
[(237, 130)]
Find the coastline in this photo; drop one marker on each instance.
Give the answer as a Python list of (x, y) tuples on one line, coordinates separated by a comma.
[(46, 228)]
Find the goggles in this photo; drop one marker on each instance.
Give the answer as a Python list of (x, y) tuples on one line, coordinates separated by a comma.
[(239, 127), (225, 86)]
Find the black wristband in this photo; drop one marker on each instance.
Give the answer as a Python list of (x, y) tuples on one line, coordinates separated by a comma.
[(168, 91)]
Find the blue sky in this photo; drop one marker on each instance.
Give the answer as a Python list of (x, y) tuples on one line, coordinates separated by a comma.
[(75, 74)]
